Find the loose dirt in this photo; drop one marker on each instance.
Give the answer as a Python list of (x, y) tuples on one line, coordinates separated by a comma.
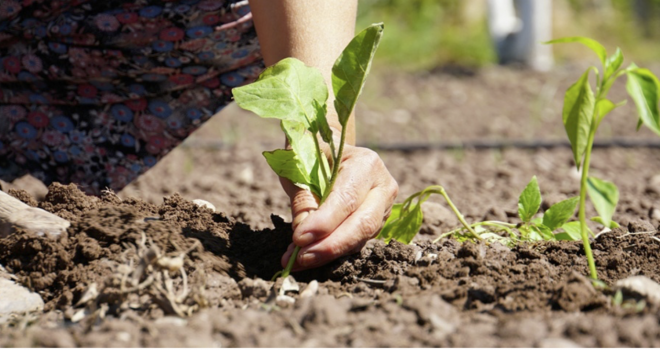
[(106, 282)]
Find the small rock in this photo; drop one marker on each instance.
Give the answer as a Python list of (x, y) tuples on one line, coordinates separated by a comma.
[(17, 299), (641, 285), (655, 214), (311, 290), (289, 284), (246, 176), (204, 204), (654, 184), (557, 343)]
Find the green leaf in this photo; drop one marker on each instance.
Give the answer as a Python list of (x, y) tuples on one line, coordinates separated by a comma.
[(529, 201), (613, 63), (541, 233), (402, 227), (559, 213), (577, 113), (588, 42), (604, 196), (286, 164), (351, 68), (322, 123), (604, 107), (285, 91), (302, 143), (643, 88), (613, 224), (571, 232)]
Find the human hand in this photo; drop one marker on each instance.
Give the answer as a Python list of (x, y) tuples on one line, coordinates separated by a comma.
[(353, 213)]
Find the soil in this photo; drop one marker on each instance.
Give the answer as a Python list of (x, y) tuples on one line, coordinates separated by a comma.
[(114, 279)]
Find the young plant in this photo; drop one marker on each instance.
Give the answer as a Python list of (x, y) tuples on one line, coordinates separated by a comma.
[(297, 95), (584, 111), (406, 220)]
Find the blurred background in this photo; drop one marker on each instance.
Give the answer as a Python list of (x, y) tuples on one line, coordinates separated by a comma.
[(427, 34)]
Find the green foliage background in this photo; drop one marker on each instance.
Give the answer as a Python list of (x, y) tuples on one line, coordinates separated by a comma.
[(426, 34)]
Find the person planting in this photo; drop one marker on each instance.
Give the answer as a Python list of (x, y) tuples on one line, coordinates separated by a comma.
[(95, 93)]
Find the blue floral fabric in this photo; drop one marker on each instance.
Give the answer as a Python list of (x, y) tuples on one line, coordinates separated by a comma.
[(95, 92)]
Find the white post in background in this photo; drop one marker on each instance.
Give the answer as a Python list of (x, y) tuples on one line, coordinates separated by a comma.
[(518, 39)]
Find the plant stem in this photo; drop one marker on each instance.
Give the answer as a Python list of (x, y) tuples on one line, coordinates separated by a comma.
[(583, 201), (333, 178), (458, 214)]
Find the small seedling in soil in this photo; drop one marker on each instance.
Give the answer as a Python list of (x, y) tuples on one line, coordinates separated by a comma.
[(406, 219), (297, 95), (582, 114)]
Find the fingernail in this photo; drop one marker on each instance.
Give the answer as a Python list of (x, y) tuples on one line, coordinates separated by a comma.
[(305, 239), (308, 259)]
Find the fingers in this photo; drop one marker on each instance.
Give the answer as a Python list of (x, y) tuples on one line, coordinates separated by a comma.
[(357, 177), (302, 202), (351, 235)]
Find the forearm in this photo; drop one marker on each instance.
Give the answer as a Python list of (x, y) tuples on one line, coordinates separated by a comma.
[(313, 31)]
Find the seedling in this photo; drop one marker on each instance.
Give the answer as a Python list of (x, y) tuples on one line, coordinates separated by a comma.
[(297, 95), (582, 114), (406, 220)]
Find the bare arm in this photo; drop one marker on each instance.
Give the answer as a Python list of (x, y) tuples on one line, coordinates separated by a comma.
[(313, 31)]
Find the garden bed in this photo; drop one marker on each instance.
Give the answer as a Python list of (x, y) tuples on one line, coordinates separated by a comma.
[(425, 294)]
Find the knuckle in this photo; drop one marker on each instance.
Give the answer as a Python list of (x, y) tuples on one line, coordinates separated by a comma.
[(303, 202), (370, 225), (348, 199)]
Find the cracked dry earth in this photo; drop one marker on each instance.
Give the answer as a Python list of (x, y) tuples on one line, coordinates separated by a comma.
[(148, 268)]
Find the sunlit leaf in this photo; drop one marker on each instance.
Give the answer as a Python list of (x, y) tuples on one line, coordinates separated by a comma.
[(559, 213), (577, 113), (604, 196), (613, 63), (400, 226), (643, 88), (571, 232), (351, 68), (285, 91), (594, 45), (529, 201), (613, 224)]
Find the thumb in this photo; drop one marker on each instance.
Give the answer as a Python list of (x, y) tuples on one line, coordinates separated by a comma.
[(303, 202)]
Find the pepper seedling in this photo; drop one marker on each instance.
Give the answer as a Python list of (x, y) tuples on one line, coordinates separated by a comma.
[(582, 114), (297, 96), (406, 220)]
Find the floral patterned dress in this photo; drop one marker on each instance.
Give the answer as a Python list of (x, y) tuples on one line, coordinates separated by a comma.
[(95, 92)]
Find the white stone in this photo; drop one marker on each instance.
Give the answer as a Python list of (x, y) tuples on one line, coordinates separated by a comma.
[(17, 299), (205, 204)]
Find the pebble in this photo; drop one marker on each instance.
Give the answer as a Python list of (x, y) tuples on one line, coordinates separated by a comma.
[(17, 299), (641, 285), (204, 204), (311, 290)]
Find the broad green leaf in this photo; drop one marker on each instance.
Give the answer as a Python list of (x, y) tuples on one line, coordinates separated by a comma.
[(613, 63), (604, 195), (559, 213), (577, 113), (643, 88), (590, 43), (604, 107), (322, 123), (571, 232), (351, 68), (541, 233), (395, 215), (302, 143), (286, 164), (402, 227), (529, 201), (286, 91), (613, 224)]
